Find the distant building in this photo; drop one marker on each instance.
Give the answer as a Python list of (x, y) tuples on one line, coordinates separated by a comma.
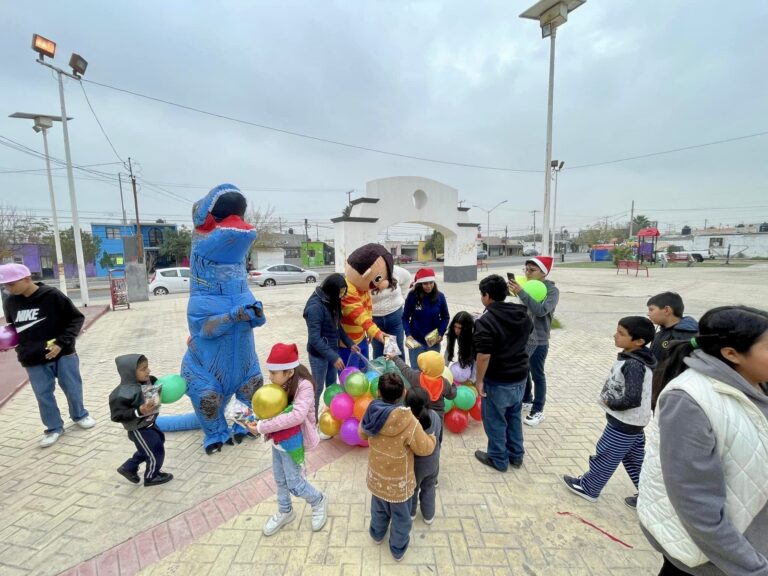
[(118, 245), (747, 241), (41, 261), (316, 254)]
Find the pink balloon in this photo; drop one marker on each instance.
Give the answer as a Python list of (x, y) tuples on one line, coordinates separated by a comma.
[(8, 337), (346, 372), (348, 432), (342, 406), (363, 443)]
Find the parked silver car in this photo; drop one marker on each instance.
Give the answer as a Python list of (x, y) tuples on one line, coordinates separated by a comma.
[(282, 274), (166, 280)]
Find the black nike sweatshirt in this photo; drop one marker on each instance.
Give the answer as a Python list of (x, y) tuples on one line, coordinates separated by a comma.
[(45, 315)]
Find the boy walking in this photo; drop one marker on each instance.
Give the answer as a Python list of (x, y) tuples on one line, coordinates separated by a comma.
[(666, 311), (47, 323), (626, 399), (135, 403), (394, 435)]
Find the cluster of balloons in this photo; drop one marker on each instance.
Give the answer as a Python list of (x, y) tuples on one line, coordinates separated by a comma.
[(347, 404), (467, 402), (535, 288), (8, 337), (173, 388)]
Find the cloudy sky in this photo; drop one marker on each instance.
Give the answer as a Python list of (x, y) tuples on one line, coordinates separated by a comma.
[(461, 82)]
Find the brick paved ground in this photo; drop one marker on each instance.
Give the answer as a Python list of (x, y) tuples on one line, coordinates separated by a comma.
[(66, 510)]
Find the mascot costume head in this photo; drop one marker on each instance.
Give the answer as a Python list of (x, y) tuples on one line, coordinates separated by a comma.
[(221, 359), (370, 268)]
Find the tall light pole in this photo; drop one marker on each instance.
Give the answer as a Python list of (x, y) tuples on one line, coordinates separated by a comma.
[(555, 168), (550, 14), (488, 227), (42, 124), (45, 47)]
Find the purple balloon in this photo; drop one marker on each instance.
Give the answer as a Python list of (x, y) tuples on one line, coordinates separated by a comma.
[(460, 375), (348, 432), (8, 337), (342, 406), (346, 372)]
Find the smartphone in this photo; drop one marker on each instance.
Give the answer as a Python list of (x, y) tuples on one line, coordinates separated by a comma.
[(510, 276)]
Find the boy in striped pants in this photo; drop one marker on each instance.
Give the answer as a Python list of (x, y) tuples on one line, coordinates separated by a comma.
[(626, 399)]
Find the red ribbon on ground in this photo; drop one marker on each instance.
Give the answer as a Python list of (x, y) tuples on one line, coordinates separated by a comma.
[(588, 523)]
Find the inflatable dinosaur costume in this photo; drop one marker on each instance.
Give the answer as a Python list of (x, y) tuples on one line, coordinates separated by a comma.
[(221, 357)]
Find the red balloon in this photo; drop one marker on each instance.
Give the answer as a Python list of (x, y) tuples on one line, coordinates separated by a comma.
[(456, 421), (476, 410)]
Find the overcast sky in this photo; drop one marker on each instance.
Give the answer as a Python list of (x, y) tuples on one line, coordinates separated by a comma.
[(464, 82)]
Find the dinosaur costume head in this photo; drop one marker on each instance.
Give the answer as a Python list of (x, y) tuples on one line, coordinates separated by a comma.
[(369, 267), (221, 235)]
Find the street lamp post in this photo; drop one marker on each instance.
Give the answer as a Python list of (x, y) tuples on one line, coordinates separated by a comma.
[(555, 168), (42, 124), (550, 14), (45, 47), (488, 227)]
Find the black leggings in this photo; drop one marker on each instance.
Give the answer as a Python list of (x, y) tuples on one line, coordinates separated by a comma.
[(669, 569)]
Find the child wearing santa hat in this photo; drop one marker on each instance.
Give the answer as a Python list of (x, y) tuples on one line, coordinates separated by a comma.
[(537, 268), (425, 311), (291, 432)]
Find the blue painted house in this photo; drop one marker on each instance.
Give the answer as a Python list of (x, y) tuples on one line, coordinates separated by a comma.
[(118, 242)]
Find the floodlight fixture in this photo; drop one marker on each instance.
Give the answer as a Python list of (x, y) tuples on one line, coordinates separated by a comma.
[(43, 46), (551, 13), (78, 64)]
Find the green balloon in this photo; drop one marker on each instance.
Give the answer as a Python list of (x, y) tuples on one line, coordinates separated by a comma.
[(173, 388), (374, 387), (536, 289), (448, 405), (331, 392), (465, 398), (356, 384)]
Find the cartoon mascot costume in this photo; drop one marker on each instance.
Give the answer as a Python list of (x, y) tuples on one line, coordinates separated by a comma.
[(221, 356)]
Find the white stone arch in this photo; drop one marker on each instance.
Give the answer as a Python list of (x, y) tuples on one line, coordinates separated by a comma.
[(399, 199)]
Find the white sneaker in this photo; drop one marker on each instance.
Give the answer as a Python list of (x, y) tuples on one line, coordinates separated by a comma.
[(86, 422), (428, 521), (527, 406), (534, 419), (49, 439), (320, 514), (277, 521)]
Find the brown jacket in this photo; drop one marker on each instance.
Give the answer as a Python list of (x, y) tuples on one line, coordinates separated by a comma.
[(390, 457)]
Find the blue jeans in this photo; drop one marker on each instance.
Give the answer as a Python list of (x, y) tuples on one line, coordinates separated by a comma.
[(414, 354), (324, 373), (399, 515), (43, 380), (289, 478), (345, 353), (536, 363), (502, 420), (391, 324)]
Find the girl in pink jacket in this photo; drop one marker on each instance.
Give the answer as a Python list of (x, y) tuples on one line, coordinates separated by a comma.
[(291, 432)]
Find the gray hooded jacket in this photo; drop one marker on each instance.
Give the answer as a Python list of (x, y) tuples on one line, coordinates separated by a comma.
[(124, 401)]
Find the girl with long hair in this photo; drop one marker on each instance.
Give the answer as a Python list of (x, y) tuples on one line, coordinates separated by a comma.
[(461, 332)]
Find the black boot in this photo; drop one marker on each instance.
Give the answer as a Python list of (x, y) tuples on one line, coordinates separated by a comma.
[(215, 447)]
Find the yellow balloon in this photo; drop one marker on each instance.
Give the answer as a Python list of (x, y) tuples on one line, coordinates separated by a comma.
[(448, 375), (269, 401), (329, 425)]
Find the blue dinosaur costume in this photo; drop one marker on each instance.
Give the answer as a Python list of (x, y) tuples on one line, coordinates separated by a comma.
[(221, 357)]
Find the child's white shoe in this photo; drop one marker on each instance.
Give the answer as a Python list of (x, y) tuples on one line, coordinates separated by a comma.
[(277, 521), (320, 514)]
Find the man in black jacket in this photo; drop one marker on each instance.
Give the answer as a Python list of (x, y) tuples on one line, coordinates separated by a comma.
[(501, 334), (47, 324)]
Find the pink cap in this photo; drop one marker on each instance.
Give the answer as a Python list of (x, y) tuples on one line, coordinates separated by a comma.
[(13, 272)]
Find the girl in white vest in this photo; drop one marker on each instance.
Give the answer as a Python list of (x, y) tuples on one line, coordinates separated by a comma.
[(704, 481)]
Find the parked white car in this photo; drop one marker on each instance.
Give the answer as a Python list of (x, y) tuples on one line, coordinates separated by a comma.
[(282, 274), (167, 280)]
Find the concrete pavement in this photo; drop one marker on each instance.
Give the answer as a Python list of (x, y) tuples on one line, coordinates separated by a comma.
[(66, 510)]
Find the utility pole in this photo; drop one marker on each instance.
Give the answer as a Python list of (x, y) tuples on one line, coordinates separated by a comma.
[(705, 223), (349, 196), (139, 237), (280, 224), (317, 231), (631, 218), (122, 204), (534, 227)]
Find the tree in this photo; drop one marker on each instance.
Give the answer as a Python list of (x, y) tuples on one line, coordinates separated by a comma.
[(17, 228), (177, 244), (347, 210), (435, 243), (639, 222), (265, 224), (91, 246)]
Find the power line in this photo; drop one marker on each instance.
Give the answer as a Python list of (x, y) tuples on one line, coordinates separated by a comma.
[(99, 123)]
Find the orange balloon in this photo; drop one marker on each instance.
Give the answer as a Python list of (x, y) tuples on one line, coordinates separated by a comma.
[(361, 405)]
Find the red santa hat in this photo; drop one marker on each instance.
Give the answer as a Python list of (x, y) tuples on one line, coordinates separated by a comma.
[(544, 263), (424, 275), (283, 357)]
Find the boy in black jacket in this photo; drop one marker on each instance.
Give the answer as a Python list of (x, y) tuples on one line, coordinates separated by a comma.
[(47, 324), (135, 403), (666, 311)]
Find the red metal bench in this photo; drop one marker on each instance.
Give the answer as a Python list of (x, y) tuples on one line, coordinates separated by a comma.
[(631, 265)]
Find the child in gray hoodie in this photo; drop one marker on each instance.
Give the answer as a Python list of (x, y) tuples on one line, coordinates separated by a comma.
[(426, 468)]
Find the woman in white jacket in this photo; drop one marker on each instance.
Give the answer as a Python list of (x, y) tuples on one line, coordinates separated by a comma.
[(704, 482)]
